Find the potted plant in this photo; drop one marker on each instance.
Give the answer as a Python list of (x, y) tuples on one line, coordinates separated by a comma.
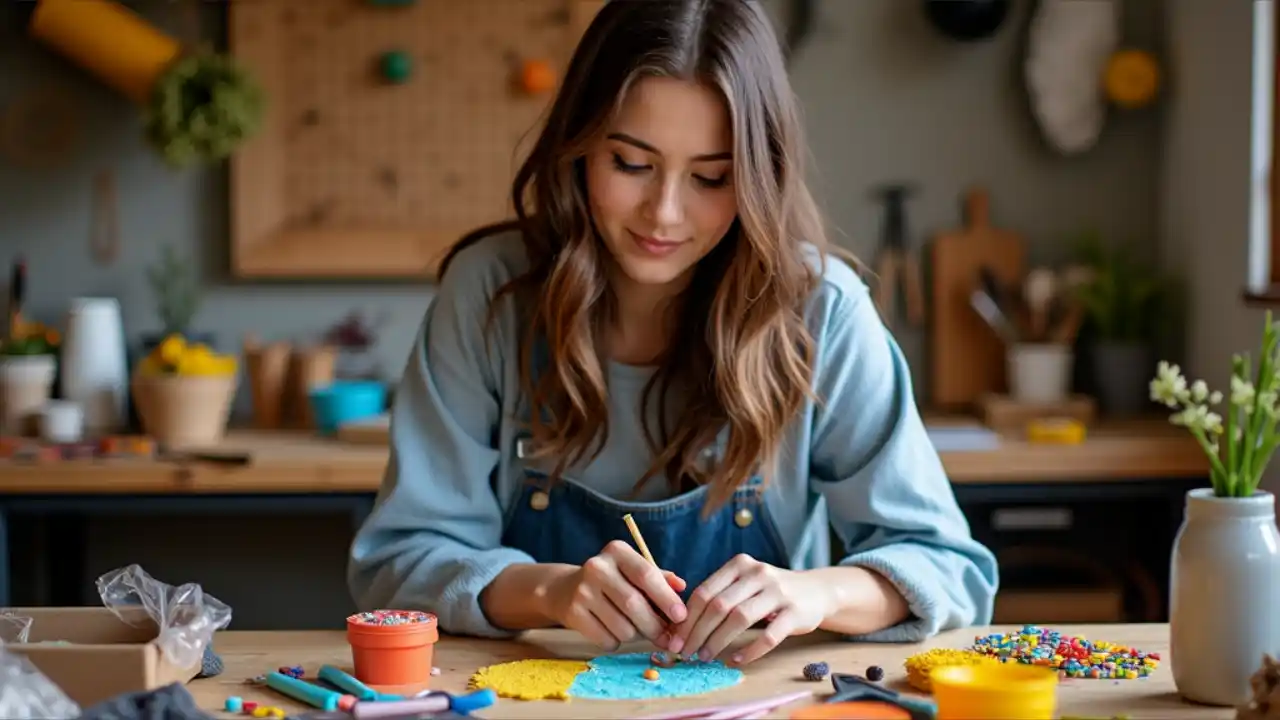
[(1127, 304), (1225, 569), (175, 286), (203, 106), (183, 392), (28, 367)]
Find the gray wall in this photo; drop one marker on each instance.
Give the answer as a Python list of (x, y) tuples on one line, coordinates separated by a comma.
[(885, 99), (1205, 180)]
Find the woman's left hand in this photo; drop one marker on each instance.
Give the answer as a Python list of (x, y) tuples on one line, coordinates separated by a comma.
[(742, 593)]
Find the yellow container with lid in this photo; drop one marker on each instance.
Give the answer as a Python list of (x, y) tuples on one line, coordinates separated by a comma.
[(1056, 431), (1004, 691), (107, 39)]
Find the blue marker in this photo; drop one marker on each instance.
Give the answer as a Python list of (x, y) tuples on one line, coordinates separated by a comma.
[(303, 691), (347, 684), (477, 700)]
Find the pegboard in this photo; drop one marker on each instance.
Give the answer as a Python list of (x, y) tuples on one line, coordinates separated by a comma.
[(361, 173)]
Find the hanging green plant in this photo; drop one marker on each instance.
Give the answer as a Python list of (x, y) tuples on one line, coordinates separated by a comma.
[(203, 106)]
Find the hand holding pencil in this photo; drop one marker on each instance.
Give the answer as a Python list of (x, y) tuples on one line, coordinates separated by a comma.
[(619, 595)]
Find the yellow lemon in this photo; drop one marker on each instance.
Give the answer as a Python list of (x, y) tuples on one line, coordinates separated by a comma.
[(171, 350), (1132, 78)]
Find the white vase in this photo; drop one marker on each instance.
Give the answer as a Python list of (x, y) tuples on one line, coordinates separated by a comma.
[(95, 373), (1224, 595)]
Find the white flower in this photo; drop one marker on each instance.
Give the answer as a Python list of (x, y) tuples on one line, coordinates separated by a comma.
[(1169, 386), (1199, 391), (1242, 394), (1198, 417), (1266, 402)]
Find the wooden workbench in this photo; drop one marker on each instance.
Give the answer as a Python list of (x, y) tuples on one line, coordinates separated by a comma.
[(247, 654), (298, 463)]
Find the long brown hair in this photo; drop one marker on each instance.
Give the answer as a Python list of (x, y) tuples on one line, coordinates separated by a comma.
[(742, 356)]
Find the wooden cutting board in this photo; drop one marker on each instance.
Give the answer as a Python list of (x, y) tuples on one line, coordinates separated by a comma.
[(967, 358)]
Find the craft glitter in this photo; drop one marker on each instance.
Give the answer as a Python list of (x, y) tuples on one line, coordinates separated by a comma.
[(1072, 657), (816, 671), (530, 679), (919, 666), (392, 617)]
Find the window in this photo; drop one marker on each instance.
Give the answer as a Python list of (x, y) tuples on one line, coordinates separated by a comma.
[(1264, 222)]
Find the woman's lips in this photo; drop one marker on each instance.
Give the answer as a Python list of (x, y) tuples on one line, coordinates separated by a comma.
[(655, 246)]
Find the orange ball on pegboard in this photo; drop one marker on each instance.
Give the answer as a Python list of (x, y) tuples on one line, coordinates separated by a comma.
[(536, 77)]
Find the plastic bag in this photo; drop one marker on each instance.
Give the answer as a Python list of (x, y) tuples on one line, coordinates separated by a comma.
[(186, 617), (14, 628), (25, 692)]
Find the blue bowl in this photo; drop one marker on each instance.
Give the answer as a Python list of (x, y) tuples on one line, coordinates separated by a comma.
[(343, 401)]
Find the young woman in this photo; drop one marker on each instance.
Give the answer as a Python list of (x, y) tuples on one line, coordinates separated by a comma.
[(660, 332)]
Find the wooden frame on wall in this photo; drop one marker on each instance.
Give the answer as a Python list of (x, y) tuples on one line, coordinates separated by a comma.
[(268, 241)]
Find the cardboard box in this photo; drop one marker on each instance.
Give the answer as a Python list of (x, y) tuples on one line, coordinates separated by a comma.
[(104, 657)]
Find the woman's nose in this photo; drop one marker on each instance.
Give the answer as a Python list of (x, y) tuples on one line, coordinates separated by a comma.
[(668, 205)]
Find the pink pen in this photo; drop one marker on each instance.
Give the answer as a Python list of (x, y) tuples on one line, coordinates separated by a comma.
[(401, 708), (736, 711)]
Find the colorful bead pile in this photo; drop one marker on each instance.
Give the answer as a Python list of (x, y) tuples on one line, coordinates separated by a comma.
[(1073, 657), (392, 617)]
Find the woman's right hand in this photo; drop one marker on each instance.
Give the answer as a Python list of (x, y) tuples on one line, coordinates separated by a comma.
[(608, 599)]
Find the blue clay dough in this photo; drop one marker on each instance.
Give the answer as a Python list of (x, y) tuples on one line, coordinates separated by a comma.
[(621, 677)]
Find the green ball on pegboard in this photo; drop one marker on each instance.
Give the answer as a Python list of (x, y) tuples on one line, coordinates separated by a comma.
[(396, 66)]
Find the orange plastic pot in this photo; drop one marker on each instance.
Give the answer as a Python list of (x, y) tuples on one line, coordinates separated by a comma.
[(393, 647)]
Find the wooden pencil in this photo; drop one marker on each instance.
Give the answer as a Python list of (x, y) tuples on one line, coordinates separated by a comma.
[(635, 535)]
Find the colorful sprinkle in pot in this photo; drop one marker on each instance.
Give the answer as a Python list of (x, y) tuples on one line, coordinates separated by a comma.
[(393, 649)]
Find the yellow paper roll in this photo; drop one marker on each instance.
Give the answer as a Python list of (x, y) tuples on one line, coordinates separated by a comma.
[(108, 40)]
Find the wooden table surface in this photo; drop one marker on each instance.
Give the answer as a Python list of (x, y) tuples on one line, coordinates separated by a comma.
[(297, 462), (247, 654)]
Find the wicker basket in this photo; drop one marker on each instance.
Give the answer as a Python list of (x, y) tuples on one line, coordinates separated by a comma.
[(184, 411)]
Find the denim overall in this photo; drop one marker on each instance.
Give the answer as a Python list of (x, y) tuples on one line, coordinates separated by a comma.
[(568, 522)]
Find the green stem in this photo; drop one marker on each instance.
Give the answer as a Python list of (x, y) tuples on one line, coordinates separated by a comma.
[(1215, 463), (1268, 448), (1233, 443), (1262, 386)]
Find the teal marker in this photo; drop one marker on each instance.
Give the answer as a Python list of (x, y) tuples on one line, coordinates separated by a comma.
[(347, 684), (303, 691)]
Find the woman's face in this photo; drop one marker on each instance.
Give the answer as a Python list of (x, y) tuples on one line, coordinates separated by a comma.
[(659, 181)]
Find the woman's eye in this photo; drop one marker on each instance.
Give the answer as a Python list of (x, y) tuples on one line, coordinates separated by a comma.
[(625, 167), (712, 182)]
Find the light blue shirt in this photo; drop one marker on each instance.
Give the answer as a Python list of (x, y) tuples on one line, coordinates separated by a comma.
[(859, 460)]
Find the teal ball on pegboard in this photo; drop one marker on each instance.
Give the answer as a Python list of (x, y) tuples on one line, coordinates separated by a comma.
[(396, 66)]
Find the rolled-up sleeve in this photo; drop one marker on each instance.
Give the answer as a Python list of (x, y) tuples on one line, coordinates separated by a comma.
[(887, 493)]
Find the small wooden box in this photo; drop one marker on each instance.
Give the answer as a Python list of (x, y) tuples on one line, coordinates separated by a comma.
[(1006, 415)]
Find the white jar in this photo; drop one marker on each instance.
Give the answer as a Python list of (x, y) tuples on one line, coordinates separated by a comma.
[(1040, 372), (1224, 595), (62, 422)]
